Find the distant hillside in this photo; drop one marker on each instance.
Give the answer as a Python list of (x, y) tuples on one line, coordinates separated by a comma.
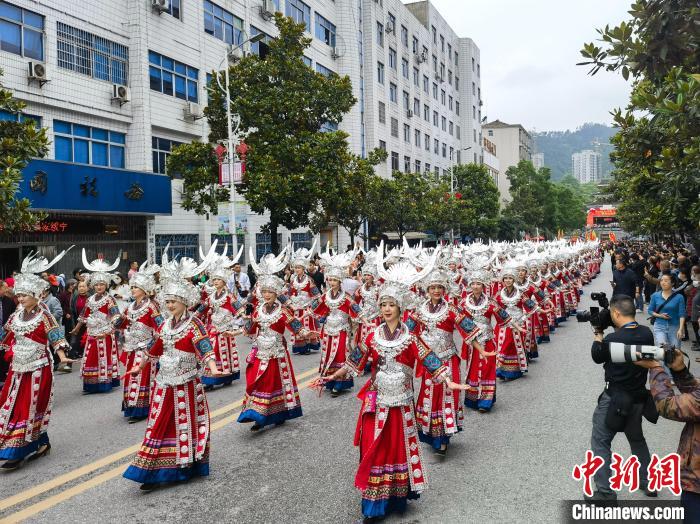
[(558, 146)]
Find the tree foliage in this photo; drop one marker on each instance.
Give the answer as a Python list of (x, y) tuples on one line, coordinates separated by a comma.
[(657, 149), (292, 165), (479, 198), (538, 205), (19, 142)]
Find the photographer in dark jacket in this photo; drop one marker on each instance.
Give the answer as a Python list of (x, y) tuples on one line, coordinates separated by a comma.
[(625, 390)]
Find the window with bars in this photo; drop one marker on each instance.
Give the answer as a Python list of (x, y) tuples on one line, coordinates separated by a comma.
[(394, 127), (92, 55), (7, 116), (407, 164), (392, 92), (380, 73), (263, 244), (427, 142), (88, 145), (222, 24), (394, 161), (300, 240), (325, 30), (182, 245), (382, 113), (161, 149), (392, 58), (171, 77), (21, 31), (380, 34), (299, 12), (404, 68)]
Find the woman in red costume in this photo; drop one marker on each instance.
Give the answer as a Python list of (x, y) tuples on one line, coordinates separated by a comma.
[(302, 291), (271, 394), (176, 444), (142, 319), (391, 469), (30, 336), (100, 369), (436, 319)]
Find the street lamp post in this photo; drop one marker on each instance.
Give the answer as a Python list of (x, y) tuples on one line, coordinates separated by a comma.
[(452, 188), (234, 136)]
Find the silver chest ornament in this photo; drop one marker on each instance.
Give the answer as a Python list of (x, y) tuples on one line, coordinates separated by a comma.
[(28, 355), (393, 380), (370, 308), (337, 320), (478, 313), (138, 335), (175, 367), (511, 303), (438, 340), (301, 298), (221, 318), (269, 342), (98, 323)]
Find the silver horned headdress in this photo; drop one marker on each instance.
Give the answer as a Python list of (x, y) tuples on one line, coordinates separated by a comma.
[(399, 278), (267, 270), (27, 282), (101, 271)]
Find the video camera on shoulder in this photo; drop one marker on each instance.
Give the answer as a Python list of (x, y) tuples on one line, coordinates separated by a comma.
[(599, 317)]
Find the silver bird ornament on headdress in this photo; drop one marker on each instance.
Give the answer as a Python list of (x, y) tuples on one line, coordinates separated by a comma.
[(27, 282)]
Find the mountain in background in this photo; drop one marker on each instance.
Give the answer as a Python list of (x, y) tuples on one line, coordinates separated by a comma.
[(558, 146)]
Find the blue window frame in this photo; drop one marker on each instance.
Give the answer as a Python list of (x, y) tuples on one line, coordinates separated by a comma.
[(222, 24), (307, 61), (180, 246), (323, 70), (259, 48), (263, 244), (161, 149), (174, 9), (92, 55), (21, 31), (302, 240), (171, 77), (299, 12), (325, 30), (6, 116), (88, 145)]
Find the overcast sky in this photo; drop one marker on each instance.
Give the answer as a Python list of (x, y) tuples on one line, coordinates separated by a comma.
[(529, 49)]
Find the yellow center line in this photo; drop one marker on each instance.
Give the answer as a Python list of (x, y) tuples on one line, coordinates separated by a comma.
[(69, 493), (106, 461)]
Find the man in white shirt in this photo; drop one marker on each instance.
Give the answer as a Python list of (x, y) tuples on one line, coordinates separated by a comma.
[(239, 282)]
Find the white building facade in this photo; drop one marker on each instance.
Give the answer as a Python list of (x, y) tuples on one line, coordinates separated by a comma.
[(139, 69), (586, 166), (513, 143)]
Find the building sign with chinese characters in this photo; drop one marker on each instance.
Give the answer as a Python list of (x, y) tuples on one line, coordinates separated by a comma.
[(52, 185)]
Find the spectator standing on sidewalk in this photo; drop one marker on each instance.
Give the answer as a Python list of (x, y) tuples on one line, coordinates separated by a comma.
[(668, 312), (624, 280)]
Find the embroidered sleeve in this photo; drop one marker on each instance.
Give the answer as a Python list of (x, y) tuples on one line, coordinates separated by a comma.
[(354, 309), (502, 316), (155, 349), (201, 342), (295, 325), (283, 299), (85, 313), (411, 324), (551, 286), (314, 291), (157, 318), (529, 305), (431, 362), (53, 332), (357, 358), (238, 306), (468, 328), (540, 295)]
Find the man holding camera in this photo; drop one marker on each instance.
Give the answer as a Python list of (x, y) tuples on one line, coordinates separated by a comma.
[(683, 408), (625, 398)]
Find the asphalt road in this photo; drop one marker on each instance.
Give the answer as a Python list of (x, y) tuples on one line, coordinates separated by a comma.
[(512, 465)]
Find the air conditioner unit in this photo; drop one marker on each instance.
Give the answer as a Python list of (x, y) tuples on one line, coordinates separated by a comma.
[(121, 94), (389, 27), (266, 10), (160, 6), (335, 54), (235, 53), (193, 111), (437, 76), (420, 58), (409, 114), (37, 71)]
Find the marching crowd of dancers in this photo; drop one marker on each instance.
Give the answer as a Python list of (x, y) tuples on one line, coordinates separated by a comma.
[(178, 341)]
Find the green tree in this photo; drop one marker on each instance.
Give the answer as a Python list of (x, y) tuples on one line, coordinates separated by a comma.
[(657, 148), (291, 164), (356, 196), (403, 203), (19, 142), (479, 198), (529, 189)]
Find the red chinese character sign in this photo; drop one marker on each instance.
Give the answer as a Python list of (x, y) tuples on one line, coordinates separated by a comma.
[(238, 166), (662, 473)]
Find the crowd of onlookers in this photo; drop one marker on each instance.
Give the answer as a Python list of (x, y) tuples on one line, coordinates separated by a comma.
[(665, 277)]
